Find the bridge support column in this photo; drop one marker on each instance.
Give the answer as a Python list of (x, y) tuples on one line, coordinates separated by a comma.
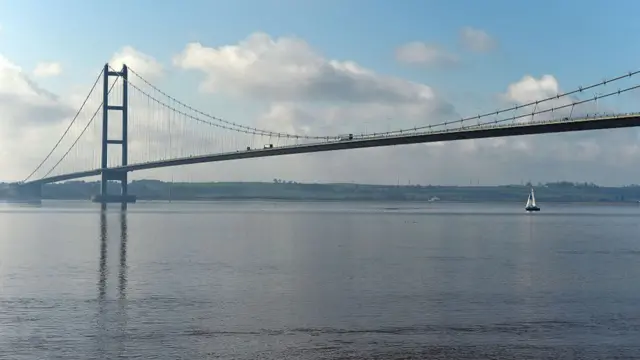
[(123, 198)]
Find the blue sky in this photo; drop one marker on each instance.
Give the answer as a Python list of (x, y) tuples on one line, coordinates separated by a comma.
[(576, 42)]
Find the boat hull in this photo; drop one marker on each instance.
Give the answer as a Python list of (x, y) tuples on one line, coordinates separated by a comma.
[(532, 208)]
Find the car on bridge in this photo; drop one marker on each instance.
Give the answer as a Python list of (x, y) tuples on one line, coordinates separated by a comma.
[(268, 146), (346, 137)]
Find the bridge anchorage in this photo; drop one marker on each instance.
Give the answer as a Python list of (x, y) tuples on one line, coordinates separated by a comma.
[(27, 193)]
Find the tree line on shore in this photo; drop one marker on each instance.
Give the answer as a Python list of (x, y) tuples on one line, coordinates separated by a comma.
[(562, 191)]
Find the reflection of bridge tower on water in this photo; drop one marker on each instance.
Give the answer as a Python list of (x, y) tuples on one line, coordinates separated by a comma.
[(122, 266), (109, 319), (109, 175)]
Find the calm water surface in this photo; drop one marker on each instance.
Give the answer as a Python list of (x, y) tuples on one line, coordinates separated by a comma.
[(261, 280)]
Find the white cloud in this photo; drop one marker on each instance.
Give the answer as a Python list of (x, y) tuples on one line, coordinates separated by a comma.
[(47, 69), (287, 69), (22, 98), (419, 53), (142, 63), (477, 40), (311, 94), (30, 115), (529, 89)]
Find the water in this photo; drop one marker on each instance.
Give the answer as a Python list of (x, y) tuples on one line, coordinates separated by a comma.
[(261, 280)]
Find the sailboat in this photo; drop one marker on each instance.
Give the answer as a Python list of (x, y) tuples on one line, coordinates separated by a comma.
[(531, 203)]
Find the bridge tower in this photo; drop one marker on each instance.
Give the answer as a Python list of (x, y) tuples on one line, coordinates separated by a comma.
[(106, 174)]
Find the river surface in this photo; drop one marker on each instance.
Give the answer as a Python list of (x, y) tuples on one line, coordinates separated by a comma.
[(269, 280)]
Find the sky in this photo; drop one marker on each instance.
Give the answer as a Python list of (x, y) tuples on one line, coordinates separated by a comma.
[(318, 67)]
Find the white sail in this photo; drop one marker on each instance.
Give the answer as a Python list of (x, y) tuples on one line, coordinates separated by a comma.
[(528, 201), (533, 198)]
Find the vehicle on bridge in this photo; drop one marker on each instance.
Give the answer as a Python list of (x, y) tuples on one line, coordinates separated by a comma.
[(346, 137), (268, 146)]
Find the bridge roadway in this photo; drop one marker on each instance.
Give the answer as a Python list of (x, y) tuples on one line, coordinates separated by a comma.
[(470, 132)]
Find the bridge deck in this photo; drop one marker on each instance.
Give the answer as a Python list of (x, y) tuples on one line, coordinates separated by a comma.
[(471, 132)]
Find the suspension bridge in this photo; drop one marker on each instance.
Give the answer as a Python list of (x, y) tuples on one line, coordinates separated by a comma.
[(127, 124)]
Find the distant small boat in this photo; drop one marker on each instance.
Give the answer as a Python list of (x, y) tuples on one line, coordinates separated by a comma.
[(531, 203)]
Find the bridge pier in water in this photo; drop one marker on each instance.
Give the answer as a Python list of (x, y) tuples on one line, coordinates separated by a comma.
[(104, 197), (109, 175)]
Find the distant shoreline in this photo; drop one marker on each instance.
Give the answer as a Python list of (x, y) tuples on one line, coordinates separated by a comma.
[(153, 190), (361, 201)]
